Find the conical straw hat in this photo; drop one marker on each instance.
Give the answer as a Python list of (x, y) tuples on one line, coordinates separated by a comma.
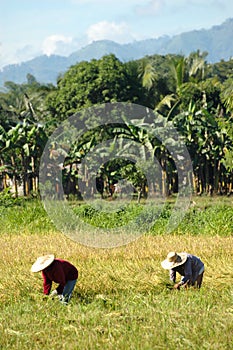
[(173, 260), (42, 262)]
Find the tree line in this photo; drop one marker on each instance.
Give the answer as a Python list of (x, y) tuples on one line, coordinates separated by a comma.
[(196, 97)]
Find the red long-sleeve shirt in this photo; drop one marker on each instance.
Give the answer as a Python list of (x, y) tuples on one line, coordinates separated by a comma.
[(60, 271)]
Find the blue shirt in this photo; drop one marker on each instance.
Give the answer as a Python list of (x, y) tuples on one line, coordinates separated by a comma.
[(189, 270)]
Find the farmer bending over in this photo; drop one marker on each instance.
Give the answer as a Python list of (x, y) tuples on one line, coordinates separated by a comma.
[(189, 266), (58, 271)]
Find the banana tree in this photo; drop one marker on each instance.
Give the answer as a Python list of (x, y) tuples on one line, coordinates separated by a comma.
[(24, 144), (226, 125), (205, 141), (3, 166)]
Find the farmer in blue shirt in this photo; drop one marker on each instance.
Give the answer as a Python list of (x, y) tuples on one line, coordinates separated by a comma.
[(189, 266)]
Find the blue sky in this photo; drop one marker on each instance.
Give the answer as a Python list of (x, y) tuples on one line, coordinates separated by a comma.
[(29, 28)]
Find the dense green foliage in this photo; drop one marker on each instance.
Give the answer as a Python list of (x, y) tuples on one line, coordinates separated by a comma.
[(195, 96)]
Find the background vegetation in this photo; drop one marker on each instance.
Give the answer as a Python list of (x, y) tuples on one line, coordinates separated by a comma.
[(195, 96)]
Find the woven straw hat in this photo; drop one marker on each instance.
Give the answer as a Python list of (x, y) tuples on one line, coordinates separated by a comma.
[(42, 262), (173, 260)]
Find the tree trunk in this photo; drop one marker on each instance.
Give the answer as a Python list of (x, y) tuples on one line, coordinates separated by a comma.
[(34, 182), (14, 176), (25, 175), (4, 184), (217, 167), (164, 176)]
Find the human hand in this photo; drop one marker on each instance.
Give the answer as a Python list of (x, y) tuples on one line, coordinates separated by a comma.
[(54, 293), (177, 286)]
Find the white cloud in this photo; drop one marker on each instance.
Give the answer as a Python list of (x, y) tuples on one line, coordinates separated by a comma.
[(54, 44), (152, 7), (25, 53), (110, 31)]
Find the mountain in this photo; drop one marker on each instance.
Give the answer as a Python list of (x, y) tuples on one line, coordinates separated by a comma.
[(217, 41)]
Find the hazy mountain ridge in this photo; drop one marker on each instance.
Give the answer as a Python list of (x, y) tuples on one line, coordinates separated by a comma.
[(217, 41)]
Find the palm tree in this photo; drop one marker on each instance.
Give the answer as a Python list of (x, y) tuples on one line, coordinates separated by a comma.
[(183, 70), (147, 73)]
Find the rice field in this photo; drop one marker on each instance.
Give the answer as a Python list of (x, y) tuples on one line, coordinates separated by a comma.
[(123, 298)]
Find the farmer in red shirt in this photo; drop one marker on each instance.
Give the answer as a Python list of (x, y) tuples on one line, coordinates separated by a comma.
[(59, 271)]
